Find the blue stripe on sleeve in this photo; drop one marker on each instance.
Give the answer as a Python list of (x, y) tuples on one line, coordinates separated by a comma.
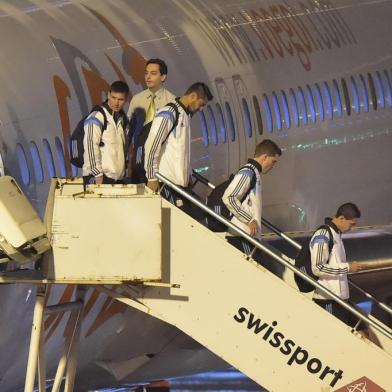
[(247, 172), (93, 120), (166, 114), (319, 239)]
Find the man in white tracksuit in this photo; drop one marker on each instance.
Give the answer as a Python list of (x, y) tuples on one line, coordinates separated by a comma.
[(243, 196), (332, 267), (168, 146), (104, 147)]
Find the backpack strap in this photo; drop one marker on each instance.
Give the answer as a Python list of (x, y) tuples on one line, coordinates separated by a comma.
[(125, 121), (100, 109), (176, 117), (252, 181), (331, 242)]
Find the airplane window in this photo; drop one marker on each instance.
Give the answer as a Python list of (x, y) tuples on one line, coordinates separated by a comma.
[(37, 164), (338, 99), (258, 115), (23, 166), (222, 123), (328, 100), (346, 96), (388, 89), (204, 129), (277, 111), (365, 96), (302, 105), (380, 90), (286, 111), (231, 121), (214, 133), (320, 105), (355, 95), (312, 109), (294, 107), (49, 159), (372, 91), (268, 113), (247, 119), (60, 156)]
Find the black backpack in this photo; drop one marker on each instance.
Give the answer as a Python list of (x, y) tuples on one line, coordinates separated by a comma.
[(138, 172), (215, 202), (304, 263), (76, 147)]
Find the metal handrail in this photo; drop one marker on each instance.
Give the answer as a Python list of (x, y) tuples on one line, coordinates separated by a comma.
[(274, 253), (269, 225), (382, 305)]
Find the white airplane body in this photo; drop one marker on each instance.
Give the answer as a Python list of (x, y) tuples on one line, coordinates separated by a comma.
[(58, 58)]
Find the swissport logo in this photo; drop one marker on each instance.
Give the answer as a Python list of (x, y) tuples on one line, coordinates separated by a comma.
[(361, 385)]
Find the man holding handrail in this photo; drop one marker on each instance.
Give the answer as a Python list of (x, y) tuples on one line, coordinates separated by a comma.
[(167, 149), (243, 196), (329, 262)]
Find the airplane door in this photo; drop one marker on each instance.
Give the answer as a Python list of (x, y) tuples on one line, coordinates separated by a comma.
[(232, 139), (246, 128), (2, 171)]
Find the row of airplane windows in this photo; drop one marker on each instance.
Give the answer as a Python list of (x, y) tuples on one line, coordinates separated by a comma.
[(279, 110), (37, 163), (303, 105)]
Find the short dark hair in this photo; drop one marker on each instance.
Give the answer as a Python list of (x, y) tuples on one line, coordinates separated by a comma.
[(348, 211), (119, 87), (268, 147), (201, 89), (161, 63)]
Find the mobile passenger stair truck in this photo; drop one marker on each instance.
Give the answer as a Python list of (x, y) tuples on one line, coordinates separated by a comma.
[(152, 256)]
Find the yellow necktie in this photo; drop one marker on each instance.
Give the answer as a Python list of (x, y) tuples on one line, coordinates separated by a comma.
[(151, 110)]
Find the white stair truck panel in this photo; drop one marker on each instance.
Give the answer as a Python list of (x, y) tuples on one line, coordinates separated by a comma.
[(253, 320), (109, 233)]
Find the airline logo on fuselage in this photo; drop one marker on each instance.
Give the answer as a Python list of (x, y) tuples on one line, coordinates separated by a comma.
[(277, 31)]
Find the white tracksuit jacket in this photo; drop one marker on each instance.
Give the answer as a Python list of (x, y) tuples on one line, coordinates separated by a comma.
[(169, 153), (104, 152), (331, 268), (250, 208)]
